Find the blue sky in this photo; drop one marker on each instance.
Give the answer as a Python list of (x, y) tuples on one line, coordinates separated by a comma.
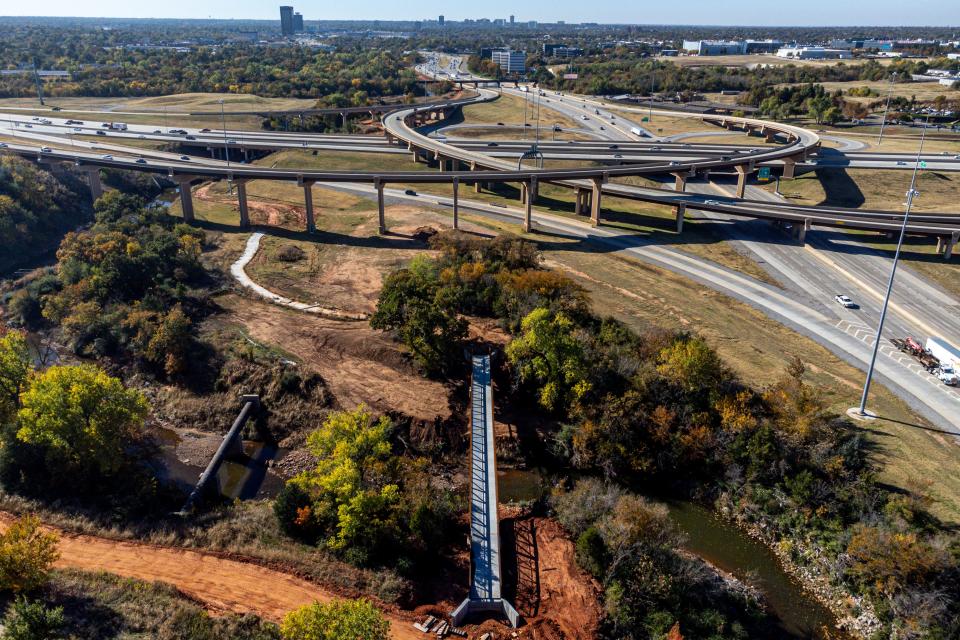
[(719, 12)]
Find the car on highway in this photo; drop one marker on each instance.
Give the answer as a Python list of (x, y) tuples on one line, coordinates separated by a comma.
[(617, 155), (204, 130), (602, 128), (410, 192), (106, 157), (492, 144), (74, 122), (28, 125), (3, 145), (141, 137), (957, 157), (947, 375), (101, 133), (584, 118), (77, 129), (141, 161), (901, 163), (191, 138), (157, 131), (185, 158), (500, 124), (46, 150), (614, 146), (845, 301), (712, 202), (231, 142)]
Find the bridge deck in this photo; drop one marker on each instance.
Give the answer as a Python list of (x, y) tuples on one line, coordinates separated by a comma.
[(486, 577)]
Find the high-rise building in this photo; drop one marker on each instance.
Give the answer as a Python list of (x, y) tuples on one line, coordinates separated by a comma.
[(511, 19), (297, 23), (286, 21), (440, 20), (510, 61)]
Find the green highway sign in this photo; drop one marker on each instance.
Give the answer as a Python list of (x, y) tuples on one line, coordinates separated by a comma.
[(644, 119), (923, 164), (764, 173)]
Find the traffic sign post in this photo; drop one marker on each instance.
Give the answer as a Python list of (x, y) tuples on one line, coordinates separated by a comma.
[(764, 174)]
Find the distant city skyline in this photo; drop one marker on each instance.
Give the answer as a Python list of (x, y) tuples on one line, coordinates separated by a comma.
[(877, 13)]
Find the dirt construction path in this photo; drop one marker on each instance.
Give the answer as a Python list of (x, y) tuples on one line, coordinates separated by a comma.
[(221, 584)]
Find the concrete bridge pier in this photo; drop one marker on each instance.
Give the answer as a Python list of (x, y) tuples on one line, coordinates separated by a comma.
[(96, 185), (940, 244), (456, 203), (477, 186), (529, 190), (308, 203), (242, 199), (680, 210), (948, 250), (802, 232), (743, 172), (789, 167), (595, 200), (378, 185), (186, 196)]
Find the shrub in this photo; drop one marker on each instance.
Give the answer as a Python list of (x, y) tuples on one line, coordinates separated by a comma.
[(32, 620), (337, 620), (26, 555)]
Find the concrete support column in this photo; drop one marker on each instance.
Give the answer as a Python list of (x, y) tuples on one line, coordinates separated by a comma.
[(680, 210), (96, 186), (940, 244), (382, 219), (477, 187), (595, 202), (524, 193), (770, 136), (308, 202), (456, 203), (578, 201), (802, 232), (680, 184), (416, 156), (789, 167), (530, 189), (742, 173), (242, 199), (948, 251), (186, 197)]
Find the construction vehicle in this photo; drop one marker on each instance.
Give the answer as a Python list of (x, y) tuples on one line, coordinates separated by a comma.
[(944, 351)]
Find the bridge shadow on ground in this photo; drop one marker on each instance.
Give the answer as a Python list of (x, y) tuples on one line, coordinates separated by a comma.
[(521, 565)]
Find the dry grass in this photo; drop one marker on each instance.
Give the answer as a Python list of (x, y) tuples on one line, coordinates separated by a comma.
[(510, 109), (921, 90)]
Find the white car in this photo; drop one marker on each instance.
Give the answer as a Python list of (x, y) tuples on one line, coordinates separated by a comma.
[(3, 145), (46, 150), (107, 157), (947, 375), (845, 301)]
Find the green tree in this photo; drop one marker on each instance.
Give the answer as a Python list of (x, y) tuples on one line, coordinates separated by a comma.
[(691, 363), (337, 620), (83, 418), (27, 553), (14, 371), (424, 316), (32, 620), (548, 355)]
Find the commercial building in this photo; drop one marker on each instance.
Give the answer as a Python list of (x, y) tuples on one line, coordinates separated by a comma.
[(297, 23), (713, 47), (440, 20), (511, 19), (561, 51), (761, 46), (813, 53), (510, 61), (286, 21)]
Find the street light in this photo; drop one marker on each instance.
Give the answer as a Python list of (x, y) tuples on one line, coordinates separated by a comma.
[(883, 123), (226, 147), (893, 272)]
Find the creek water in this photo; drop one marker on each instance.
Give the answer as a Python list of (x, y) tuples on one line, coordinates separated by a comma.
[(245, 477), (797, 614)]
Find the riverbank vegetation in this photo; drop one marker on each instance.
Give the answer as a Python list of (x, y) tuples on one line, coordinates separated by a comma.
[(36, 209), (661, 411)]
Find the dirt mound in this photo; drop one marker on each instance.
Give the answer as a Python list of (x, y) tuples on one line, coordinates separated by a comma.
[(423, 234), (292, 400)]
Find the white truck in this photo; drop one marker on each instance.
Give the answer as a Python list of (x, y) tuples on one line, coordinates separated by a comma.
[(949, 357), (636, 131), (118, 126)]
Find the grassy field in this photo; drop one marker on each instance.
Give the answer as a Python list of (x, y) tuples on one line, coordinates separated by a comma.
[(753, 60), (510, 109), (873, 189), (920, 90)]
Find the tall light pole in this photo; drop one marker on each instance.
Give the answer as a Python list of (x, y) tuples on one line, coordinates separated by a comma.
[(226, 147), (893, 272), (883, 123)]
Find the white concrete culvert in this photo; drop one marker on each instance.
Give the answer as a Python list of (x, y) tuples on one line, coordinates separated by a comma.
[(238, 270)]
